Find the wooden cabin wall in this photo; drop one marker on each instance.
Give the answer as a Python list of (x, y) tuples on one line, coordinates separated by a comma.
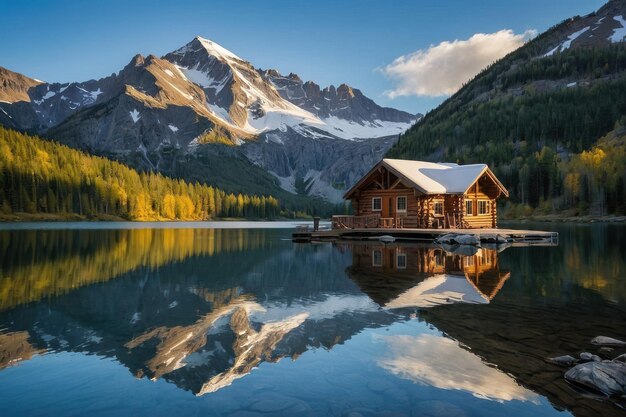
[(482, 190), (476, 220), (363, 202)]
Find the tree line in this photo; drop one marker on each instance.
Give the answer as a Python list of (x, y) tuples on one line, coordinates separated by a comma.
[(40, 176)]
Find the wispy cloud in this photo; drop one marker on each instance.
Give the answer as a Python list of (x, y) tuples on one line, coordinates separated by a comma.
[(442, 69), (442, 363)]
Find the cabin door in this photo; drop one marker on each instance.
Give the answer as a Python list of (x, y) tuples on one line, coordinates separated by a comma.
[(388, 207)]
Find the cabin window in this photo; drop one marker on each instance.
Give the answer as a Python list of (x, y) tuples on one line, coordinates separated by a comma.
[(469, 208), (483, 207), (401, 260), (377, 257), (438, 207), (377, 204), (401, 203)]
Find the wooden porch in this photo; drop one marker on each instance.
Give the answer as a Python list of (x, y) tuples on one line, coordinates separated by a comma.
[(485, 235), (376, 221)]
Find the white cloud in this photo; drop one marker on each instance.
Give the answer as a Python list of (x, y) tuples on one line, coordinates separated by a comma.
[(440, 362), (442, 69)]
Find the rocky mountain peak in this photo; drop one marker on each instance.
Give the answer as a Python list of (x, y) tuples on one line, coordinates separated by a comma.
[(270, 73), (137, 60), (214, 49), (14, 86), (331, 103), (294, 77), (345, 91)]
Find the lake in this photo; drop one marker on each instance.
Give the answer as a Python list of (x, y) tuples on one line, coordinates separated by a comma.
[(233, 319)]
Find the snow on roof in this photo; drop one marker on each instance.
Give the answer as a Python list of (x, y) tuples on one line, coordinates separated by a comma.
[(438, 290), (437, 178)]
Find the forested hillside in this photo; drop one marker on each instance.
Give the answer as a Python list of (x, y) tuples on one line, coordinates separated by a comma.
[(39, 176), (551, 127)]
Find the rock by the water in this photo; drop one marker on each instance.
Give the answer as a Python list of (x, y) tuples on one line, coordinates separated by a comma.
[(467, 240), (607, 377), (458, 239), (589, 357), (607, 341), (565, 360)]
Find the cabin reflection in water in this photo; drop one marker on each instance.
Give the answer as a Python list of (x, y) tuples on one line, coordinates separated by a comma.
[(398, 275)]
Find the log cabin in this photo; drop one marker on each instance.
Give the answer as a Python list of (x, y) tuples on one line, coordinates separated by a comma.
[(398, 193)]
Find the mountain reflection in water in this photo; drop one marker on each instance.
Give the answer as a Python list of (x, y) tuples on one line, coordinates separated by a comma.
[(203, 308)]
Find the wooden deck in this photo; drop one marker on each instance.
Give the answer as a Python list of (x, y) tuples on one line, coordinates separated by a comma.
[(522, 237)]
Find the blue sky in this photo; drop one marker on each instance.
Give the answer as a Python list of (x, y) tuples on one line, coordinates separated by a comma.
[(329, 42)]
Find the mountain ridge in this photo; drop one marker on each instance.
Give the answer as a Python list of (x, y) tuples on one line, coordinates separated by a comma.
[(158, 112)]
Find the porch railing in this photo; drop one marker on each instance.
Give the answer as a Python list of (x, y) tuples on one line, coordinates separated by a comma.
[(369, 221)]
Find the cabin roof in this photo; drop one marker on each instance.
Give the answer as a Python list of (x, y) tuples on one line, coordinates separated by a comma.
[(434, 178)]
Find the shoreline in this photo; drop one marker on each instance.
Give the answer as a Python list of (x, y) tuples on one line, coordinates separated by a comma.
[(553, 218), (73, 217), (103, 218)]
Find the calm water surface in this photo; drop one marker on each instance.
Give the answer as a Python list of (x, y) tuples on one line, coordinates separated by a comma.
[(135, 320)]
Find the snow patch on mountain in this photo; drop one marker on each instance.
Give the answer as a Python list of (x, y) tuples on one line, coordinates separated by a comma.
[(203, 79), (173, 128), (279, 118), (620, 33), (221, 113), (7, 114), (48, 95), (134, 114), (567, 43), (346, 129)]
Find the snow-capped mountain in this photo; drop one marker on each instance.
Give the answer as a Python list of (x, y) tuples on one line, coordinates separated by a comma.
[(344, 109), (156, 111), (246, 98)]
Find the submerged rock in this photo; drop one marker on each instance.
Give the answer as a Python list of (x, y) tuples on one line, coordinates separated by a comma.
[(605, 350), (589, 357), (467, 240), (607, 341), (565, 360), (607, 377)]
